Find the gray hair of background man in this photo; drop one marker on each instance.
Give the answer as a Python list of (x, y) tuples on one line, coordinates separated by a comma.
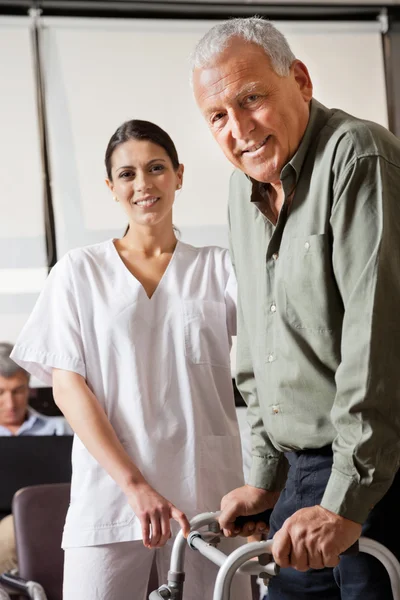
[(251, 29), (8, 368)]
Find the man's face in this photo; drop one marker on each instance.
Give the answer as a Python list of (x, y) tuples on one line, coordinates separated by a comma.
[(14, 394), (257, 117)]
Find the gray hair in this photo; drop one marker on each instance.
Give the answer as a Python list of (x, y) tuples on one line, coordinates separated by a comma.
[(251, 29), (8, 368)]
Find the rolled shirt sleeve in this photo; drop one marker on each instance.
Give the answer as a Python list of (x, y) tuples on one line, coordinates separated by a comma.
[(366, 261)]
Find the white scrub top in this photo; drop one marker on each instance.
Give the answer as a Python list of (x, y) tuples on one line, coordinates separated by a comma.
[(160, 368)]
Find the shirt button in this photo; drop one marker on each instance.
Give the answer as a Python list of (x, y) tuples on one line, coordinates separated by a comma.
[(307, 245), (273, 308), (270, 357), (275, 410), (275, 255)]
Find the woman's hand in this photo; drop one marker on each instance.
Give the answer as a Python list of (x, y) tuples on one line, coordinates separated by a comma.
[(154, 513)]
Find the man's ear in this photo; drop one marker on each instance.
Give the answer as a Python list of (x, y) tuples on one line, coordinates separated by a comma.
[(303, 79)]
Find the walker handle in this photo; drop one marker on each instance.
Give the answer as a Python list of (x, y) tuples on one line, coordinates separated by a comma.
[(260, 517)]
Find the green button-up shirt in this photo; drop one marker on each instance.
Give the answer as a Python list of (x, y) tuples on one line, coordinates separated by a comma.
[(318, 359)]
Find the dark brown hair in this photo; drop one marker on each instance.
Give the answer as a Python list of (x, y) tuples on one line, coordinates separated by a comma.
[(140, 131)]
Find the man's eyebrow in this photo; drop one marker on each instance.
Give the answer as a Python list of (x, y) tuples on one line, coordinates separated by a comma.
[(247, 88)]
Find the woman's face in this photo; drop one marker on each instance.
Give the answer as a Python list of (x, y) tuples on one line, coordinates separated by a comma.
[(144, 181)]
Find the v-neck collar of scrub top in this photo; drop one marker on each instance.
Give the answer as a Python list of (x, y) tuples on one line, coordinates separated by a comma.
[(131, 277)]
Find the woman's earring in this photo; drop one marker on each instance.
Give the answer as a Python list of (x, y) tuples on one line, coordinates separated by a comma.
[(115, 198), (179, 186)]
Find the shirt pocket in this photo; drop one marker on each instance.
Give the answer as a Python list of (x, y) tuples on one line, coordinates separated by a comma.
[(310, 295), (206, 334)]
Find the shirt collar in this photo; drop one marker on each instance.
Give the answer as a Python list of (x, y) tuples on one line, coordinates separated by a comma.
[(319, 114), (32, 417)]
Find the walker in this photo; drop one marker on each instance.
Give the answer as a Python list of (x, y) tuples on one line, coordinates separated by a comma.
[(239, 561)]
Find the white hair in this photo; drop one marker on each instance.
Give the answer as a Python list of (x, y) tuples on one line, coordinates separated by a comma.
[(251, 29), (9, 368)]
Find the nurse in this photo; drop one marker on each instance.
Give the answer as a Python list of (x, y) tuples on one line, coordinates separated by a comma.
[(134, 334)]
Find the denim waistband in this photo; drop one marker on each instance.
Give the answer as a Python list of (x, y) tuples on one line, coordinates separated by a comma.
[(324, 451)]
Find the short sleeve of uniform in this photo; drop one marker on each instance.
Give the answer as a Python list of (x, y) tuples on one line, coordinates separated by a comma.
[(52, 338)]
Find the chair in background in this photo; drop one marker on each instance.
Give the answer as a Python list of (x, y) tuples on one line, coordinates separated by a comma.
[(39, 516)]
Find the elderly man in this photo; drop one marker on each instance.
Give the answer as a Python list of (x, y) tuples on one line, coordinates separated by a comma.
[(16, 419), (315, 239)]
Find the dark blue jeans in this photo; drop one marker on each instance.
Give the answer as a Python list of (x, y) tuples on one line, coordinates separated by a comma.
[(360, 577)]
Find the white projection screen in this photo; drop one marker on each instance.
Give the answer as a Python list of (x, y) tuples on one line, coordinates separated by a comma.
[(22, 234)]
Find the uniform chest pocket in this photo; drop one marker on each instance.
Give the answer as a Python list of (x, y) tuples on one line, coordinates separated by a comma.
[(310, 294), (206, 333)]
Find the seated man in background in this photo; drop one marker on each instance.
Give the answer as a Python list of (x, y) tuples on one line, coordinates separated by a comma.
[(17, 418)]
